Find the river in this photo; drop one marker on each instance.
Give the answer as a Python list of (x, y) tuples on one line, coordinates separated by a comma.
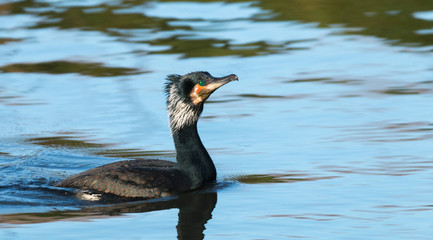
[(328, 133)]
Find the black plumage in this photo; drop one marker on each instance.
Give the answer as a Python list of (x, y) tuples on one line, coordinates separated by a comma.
[(157, 178)]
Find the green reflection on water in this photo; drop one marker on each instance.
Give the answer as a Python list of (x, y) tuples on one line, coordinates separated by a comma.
[(405, 91), (60, 67), (389, 19), (276, 178), (392, 20), (102, 20), (101, 149), (7, 40), (260, 96), (215, 47), (64, 142)]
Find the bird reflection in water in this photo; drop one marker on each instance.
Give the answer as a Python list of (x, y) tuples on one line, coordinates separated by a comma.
[(195, 210)]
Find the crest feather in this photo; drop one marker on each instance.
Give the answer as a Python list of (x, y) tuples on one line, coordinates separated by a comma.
[(170, 80)]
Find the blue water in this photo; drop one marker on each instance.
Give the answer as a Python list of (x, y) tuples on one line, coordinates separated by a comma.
[(327, 135)]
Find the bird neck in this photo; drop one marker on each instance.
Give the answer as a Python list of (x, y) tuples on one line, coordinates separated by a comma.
[(192, 157)]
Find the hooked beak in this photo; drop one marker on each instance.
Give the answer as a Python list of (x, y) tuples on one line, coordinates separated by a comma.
[(201, 93), (219, 82)]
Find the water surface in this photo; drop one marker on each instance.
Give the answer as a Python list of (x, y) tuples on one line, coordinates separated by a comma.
[(327, 135)]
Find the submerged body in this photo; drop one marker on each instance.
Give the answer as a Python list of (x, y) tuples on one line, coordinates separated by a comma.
[(157, 178)]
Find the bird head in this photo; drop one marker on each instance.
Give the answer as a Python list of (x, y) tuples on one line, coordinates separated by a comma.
[(186, 95)]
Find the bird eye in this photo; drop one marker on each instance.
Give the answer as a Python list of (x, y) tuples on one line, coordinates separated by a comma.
[(201, 83)]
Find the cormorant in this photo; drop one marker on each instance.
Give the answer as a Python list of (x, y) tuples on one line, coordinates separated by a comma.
[(157, 178)]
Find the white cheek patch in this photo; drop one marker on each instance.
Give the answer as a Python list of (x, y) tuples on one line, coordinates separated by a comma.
[(180, 113)]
